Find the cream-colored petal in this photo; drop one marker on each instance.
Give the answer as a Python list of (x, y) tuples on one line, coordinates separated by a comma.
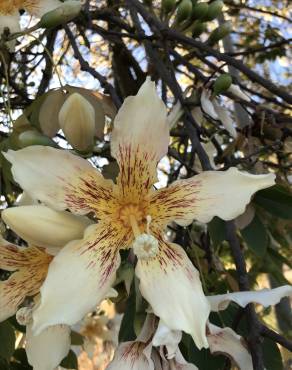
[(40, 7), (139, 139), (61, 180), (130, 355), (225, 340), (172, 286), (207, 105), (29, 267), (225, 118), (142, 121), (211, 193), (80, 276), (168, 338), (46, 350), (265, 297), (43, 226)]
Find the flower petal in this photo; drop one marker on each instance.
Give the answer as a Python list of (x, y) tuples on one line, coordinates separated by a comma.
[(46, 350), (265, 297), (29, 267), (130, 355), (44, 227), (170, 274), (60, 179), (168, 338), (139, 139), (211, 193), (225, 340), (225, 118), (80, 276)]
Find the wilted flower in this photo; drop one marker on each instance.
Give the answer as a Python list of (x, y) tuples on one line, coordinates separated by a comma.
[(130, 214)]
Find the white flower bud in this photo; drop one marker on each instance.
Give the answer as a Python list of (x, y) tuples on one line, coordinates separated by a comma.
[(77, 120), (44, 227)]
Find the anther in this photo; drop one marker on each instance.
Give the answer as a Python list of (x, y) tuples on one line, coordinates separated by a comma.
[(145, 246)]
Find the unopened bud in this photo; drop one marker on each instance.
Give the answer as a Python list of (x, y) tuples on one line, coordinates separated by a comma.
[(219, 33), (236, 91), (44, 227), (63, 14), (77, 120), (168, 6), (199, 11), (214, 10), (197, 28), (184, 11), (222, 83), (33, 137)]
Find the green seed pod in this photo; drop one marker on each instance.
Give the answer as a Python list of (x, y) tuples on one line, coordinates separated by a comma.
[(168, 6), (214, 10), (199, 11), (197, 28), (222, 83), (63, 14), (184, 11), (33, 137), (219, 33)]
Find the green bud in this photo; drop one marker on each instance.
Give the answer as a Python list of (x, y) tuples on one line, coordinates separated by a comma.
[(214, 10), (168, 5), (222, 83), (197, 28), (33, 137), (63, 14), (219, 33), (199, 11), (184, 11)]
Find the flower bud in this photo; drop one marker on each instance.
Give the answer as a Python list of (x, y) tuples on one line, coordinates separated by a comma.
[(33, 137), (77, 120), (219, 33), (222, 83), (44, 227), (199, 11), (197, 28), (214, 10), (184, 11), (63, 14), (236, 91), (168, 6)]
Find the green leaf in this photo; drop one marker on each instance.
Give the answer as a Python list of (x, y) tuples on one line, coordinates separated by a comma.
[(216, 230), (256, 236), (203, 359), (272, 355), (7, 340), (276, 200), (70, 361), (127, 331)]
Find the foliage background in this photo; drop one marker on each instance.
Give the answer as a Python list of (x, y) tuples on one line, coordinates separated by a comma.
[(110, 48)]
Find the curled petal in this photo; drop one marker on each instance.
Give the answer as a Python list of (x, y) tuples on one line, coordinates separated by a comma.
[(43, 226), (265, 297), (168, 338), (80, 276), (225, 118), (139, 139), (130, 355), (211, 193), (29, 267), (172, 286), (225, 340), (46, 350), (207, 105), (60, 179)]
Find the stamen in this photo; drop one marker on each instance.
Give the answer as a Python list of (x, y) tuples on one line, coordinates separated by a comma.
[(24, 315), (134, 225), (145, 246), (148, 219)]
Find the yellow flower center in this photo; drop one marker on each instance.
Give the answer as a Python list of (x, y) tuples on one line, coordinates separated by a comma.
[(145, 245)]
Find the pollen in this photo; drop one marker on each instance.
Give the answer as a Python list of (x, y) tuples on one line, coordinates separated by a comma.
[(145, 246)]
